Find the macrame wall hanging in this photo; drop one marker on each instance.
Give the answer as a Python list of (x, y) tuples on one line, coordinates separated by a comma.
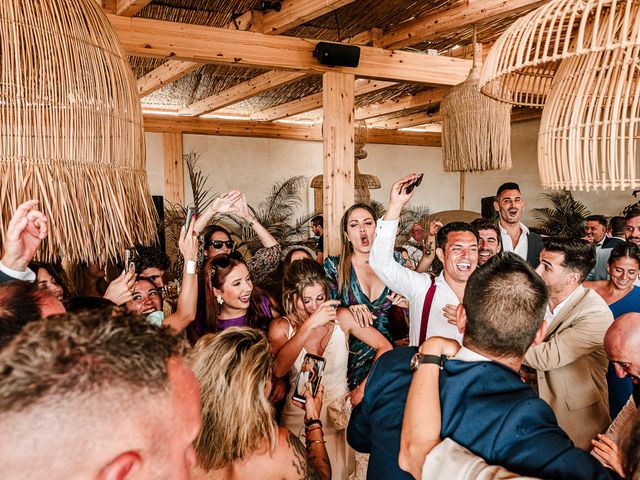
[(476, 129), (580, 60), (71, 130)]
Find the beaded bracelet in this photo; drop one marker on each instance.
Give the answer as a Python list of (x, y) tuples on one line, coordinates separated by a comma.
[(313, 427)]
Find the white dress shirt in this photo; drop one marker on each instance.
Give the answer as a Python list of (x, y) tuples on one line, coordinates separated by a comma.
[(550, 316), (467, 355), (522, 247), (27, 276), (413, 286)]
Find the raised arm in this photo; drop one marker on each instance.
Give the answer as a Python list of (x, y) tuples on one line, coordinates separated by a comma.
[(225, 203), (582, 338), (263, 234), (398, 278), (188, 298), (429, 252), (285, 349), (422, 415)]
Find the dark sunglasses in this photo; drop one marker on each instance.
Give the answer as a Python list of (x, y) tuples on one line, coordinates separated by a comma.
[(219, 243), (414, 184)]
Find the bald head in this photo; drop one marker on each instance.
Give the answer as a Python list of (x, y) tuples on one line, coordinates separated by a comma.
[(622, 344)]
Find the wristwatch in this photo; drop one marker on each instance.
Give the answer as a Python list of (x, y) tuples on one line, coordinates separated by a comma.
[(420, 358)]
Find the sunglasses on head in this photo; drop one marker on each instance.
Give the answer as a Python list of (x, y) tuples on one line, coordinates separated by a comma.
[(219, 243)]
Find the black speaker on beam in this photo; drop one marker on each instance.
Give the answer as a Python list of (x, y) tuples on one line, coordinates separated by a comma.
[(487, 210), (337, 55), (158, 202)]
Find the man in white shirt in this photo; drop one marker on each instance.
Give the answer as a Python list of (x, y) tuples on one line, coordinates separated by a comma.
[(415, 245), (457, 249), (570, 362), (516, 237)]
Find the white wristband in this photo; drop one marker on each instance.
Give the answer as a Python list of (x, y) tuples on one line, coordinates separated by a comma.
[(191, 267)]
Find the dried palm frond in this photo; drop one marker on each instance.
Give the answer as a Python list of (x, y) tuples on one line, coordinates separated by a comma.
[(566, 218)]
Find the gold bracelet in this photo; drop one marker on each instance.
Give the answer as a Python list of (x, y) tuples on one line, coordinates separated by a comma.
[(316, 441)]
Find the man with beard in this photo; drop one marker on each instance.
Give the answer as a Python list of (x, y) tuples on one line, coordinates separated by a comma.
[(457, 249), (516, 237), (570, 362), (490, 241)]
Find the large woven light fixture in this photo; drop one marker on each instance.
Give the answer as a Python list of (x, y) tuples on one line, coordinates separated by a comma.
[(476, 129), (590, 129), (71, 129), (522, 63)]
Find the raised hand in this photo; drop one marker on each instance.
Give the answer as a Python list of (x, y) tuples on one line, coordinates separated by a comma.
[(120, 290), (325, 313), (434, 227), (226, 202), (27, 228), (398, 196), (243, 208), (188, 243)]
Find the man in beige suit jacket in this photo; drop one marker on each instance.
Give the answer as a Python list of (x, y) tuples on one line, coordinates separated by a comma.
[(571, 363)]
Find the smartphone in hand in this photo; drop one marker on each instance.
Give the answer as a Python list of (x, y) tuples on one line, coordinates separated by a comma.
[(187, 220), (130, 258), (409, 188), (309, 377)]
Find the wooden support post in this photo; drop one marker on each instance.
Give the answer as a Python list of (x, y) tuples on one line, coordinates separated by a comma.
[(461, 190), (173, 168), (337, 138)]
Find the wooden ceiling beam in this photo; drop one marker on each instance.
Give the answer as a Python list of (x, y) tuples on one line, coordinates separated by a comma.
[(314, 101), (421, 99), (173, 70), (128, 8), (464, 14), (413, 120), (194, 43), (281, 130), (296, 12), (242, 91), (165, 74)]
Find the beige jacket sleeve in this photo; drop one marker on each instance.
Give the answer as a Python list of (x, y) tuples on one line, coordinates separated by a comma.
[(452, 461), (582, 336)]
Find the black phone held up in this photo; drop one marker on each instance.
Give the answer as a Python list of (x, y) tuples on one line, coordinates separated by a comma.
[(409, 188), (188, 218), (309, 377)]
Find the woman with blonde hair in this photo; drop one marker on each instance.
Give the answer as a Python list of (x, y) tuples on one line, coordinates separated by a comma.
[(239, 437), (314, 324)]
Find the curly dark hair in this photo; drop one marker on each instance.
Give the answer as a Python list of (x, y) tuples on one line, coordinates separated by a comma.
[(151, 257)]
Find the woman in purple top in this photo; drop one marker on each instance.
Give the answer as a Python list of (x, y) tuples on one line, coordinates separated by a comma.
[(231, 298)]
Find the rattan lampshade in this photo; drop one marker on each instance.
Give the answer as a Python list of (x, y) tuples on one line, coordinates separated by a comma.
[(590, 129), (71, 129), (522, 63), (476, 129)]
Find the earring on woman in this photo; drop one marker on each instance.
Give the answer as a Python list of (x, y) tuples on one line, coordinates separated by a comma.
[(219, 299)]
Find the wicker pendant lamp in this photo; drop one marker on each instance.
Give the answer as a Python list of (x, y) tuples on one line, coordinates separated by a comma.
[(476, 129), (521, 66), (590, 128), (363, 182), (71, 129)]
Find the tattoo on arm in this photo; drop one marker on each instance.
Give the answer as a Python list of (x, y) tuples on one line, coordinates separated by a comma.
[(302, 464)]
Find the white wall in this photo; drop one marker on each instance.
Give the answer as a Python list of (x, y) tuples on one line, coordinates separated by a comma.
[(252, 165)]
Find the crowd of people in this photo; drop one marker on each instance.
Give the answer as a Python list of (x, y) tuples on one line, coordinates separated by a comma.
[(470, 350)]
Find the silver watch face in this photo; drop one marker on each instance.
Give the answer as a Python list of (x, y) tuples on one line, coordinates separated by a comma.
[(415, 362)]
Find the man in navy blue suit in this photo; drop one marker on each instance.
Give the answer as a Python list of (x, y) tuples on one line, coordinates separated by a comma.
[(485, 405)]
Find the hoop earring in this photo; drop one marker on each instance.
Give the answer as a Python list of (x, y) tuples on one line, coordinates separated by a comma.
[(219, 299)]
